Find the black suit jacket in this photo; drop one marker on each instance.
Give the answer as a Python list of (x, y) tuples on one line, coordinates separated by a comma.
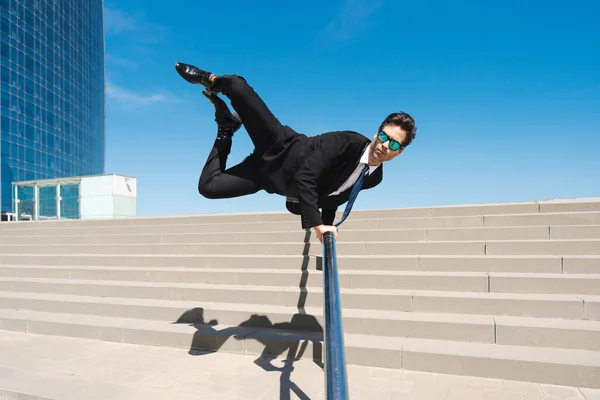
[(309, 168)]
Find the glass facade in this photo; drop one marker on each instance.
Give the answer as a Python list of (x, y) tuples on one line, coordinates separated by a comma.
[(53, 200), (52, 86)]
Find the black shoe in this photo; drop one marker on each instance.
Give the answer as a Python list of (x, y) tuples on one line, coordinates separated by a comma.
[(195, 75), (227, 122)]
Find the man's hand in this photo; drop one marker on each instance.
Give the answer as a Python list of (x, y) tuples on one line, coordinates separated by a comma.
[(321, 229)]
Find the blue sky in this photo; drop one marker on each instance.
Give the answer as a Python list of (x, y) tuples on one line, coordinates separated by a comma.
[(506, 95)]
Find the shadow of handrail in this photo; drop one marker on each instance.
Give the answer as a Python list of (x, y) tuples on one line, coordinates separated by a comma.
[(336, 381)]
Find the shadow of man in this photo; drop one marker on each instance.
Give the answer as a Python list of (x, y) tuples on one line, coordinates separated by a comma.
[(293, 336), (279, 337), (206, 338)]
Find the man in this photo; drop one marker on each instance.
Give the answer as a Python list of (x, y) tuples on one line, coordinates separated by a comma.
[(313, 173)]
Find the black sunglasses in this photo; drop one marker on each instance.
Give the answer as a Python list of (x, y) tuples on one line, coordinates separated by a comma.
[(394, 145)]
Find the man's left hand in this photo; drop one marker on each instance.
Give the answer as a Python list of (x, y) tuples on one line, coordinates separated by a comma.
[(321, 229)]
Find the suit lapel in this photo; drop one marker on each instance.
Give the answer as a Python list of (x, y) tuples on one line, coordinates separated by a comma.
[(343, 177)]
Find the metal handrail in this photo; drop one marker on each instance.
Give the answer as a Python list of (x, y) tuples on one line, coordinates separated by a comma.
[(336, 381)]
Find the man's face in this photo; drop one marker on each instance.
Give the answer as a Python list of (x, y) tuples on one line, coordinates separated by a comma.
[(380, 152)]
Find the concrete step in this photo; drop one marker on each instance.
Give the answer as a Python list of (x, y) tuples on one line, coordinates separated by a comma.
[(445, 234), (574, 232), (443, 263), (491, 247), (581, 265), (538, 332), (469, 209), (306, 291), (130, 283), (383, 222), (495, 282), (550, 247), (543, 219), (369, 235), (355, 248), (286, 217), (513, 304), (545, 206), (571, 367), (477, 328), (533, 207), (492, 221), (555, 366), (569, 205), (445, 281), (441, 234), (365, 235), (583, 284), (17, 230)]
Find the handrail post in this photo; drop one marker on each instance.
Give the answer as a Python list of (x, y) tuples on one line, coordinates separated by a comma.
[(336, 381)]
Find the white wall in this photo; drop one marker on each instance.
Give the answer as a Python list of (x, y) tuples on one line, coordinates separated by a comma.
[(125, 196), (108, 196)]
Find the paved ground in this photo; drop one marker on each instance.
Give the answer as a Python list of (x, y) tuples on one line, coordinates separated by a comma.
[(49, 367)]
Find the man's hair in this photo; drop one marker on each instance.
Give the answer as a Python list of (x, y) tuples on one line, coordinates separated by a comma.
[(405, 121)]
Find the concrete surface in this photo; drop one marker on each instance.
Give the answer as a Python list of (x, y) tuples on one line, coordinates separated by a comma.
[(58, 368)]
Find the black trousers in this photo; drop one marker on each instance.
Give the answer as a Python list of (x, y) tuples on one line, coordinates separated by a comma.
[(217, 182)]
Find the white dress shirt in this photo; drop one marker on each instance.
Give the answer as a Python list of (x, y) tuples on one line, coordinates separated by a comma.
[(364, 160)]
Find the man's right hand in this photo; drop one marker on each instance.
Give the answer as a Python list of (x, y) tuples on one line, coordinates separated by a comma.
[(321, 229)]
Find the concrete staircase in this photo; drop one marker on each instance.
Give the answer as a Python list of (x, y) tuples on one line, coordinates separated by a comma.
[(509, 291)]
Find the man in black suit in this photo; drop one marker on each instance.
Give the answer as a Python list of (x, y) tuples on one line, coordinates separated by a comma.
[(312, 172)]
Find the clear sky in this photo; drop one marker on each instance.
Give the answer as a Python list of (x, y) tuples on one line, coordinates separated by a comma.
[(506, 95)]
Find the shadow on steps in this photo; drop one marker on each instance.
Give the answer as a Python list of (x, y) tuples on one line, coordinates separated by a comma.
[(277, 338), (293, 336)]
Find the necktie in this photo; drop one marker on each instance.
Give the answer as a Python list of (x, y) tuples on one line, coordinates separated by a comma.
[(353, 194)]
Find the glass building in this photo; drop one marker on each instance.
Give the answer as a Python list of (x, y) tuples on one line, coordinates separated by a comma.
[(52, 106)]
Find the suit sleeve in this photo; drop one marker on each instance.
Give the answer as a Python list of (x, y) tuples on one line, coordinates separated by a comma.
[(307, 178), (328, 215)]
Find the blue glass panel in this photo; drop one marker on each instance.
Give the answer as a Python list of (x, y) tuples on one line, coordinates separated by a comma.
[(69, 204), (52, 103), (47, 202)]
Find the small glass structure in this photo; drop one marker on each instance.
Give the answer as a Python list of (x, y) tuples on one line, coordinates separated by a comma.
[(86, 197)]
